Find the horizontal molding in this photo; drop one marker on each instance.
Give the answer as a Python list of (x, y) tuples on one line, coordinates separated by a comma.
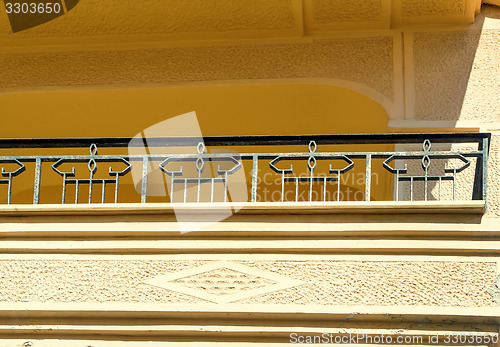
[(236, 333), (333, 207), (417, 247), (101, 342), (449, 228), (250, 257), (254, 312), (403, 226)]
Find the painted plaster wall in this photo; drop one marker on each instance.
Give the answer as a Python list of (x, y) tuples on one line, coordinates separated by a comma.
[(443, 73), (369, 282), (456, 73)]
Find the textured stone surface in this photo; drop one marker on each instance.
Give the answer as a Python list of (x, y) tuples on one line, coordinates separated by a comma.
[(443, 62), (437, 283), (457, 75), (410, 8), (195, 19), (88, 281), (95, 17), (328, 11), (382, 283), (482, 97), (349, 59), (223, 281), (493, 196)]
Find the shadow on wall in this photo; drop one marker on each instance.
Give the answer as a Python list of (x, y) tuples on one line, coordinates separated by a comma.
[(454, 71), (456, 78)]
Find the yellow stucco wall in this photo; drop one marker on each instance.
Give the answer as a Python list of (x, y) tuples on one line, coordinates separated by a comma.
[(268, 109)]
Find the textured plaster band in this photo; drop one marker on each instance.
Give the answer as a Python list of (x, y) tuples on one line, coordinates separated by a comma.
[(349, 59), (328, 11), (413, 8), (434, 283), (167, 17)]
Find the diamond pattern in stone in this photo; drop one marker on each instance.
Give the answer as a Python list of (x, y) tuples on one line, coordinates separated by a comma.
[(223, 282)]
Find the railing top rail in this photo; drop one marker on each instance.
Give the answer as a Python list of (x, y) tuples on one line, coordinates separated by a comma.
[(253, 140)]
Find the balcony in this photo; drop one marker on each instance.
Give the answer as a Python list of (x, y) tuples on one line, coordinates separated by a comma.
[(93, 220), (303, 171)]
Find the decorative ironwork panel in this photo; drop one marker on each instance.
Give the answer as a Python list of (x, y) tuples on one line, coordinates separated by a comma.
[(70, 179), (287, 175), (425, 177), (200, 159), (322, 171)]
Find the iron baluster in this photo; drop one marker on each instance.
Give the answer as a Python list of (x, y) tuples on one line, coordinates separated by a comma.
[(38, 179), (255, 172), (10, 175)]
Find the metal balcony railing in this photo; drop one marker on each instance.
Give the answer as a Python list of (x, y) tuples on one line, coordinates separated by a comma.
[(303, 168)]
